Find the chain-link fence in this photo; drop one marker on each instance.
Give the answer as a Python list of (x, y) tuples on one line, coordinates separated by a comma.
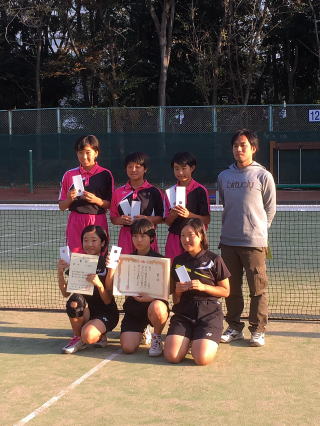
[(49, 134)]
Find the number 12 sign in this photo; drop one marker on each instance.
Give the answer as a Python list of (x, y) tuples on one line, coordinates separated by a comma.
[(314, 115)]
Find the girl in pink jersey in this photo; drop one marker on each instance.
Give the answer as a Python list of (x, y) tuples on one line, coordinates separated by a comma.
[(90, 208), (137, 189), (197, 202)]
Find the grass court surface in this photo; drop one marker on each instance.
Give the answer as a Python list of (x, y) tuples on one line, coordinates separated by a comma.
[(274, 385)]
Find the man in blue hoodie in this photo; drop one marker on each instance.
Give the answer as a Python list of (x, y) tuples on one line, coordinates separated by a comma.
[(248, 194)]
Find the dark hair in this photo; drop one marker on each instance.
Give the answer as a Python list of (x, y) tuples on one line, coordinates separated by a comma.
[(199, 230), (251, 136), (137, 157), (184, 159), (99, 231), (90, 140), (143, 226)]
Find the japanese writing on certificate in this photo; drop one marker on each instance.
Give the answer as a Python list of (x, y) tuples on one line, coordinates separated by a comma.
[(137, 275)]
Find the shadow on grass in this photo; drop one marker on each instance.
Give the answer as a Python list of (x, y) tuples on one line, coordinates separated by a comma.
[(52, 345), (309, 334)]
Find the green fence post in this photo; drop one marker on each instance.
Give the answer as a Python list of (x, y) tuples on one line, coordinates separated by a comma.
[(214, 119), (30, 171), (161, 119), (270, 117), (108, 120)]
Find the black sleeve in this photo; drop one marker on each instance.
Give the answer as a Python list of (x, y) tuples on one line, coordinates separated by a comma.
[(158, 203), (202, 205), (221, 271), (107, 191)]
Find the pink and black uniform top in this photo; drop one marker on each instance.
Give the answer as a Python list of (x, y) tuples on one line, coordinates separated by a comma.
[(98, 181), (151, 205), (197, 202)]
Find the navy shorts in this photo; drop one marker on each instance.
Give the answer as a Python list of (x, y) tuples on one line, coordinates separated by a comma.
[(136, 315), (197, 319), (110, 318)]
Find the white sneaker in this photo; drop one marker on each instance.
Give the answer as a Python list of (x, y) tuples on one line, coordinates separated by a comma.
[(146, 336), (102, 342), (74, 345), (156, 347), (230, 335), (257, 339)]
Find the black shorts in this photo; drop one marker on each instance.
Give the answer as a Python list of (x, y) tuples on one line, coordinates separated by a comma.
[(197, 319), (109, 318), (136, 315)]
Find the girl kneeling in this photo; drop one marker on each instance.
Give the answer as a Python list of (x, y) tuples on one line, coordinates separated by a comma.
[(198, 315), (91, 317)]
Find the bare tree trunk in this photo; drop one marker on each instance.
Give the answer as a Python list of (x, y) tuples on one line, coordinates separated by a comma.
[(164, 31), (38, 68)]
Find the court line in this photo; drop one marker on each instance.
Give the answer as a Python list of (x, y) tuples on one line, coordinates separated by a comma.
[(31, 245), (77, 382)]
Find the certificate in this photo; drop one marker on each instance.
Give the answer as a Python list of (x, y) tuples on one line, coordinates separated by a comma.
[(147, 275), (81, 265)]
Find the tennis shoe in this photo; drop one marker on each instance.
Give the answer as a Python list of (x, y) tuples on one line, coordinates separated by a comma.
[(257, 339), (230, 335), (74, 345), (146, 336), (102, 342), (156, 347)]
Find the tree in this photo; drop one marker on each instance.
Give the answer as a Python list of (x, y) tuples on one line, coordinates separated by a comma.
[(164, 28)]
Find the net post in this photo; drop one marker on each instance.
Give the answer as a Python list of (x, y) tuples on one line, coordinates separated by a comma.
[(30, 172)]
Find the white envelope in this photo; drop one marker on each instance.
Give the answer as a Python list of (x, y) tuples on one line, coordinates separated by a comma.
[(78, 184), (114, 257), (183, 275), (126, 208), (181, 196), (65, 254), (171, 194), (135, 208)]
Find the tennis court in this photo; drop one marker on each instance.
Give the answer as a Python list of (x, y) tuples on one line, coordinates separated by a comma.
[(274, 385)]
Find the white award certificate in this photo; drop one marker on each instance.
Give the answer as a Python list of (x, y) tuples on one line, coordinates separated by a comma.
[(181, 196), (81, 265), (145, 275), (78, 184)]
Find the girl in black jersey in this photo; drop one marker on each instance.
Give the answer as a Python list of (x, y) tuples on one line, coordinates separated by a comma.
[(139, 311), (91, 317), (198, 315)]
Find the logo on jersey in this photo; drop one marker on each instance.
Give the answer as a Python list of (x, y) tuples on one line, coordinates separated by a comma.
[(209, 334), (206, 265)]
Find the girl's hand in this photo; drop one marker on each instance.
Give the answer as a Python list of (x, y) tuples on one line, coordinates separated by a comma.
[(182, 287), (197, 285), (62, 265), (140, 216), (94, 279), (72, 195), (143, 298), (182, 211), (126, 220), (91, 198)]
